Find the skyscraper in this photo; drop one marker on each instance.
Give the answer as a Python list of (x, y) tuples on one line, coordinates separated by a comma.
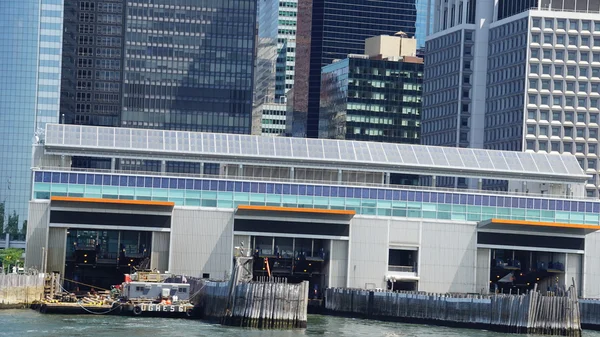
[(30, 50), (521, 76), (332, 29), (158, 64), (166, 64), (275, 61), (376, 96)]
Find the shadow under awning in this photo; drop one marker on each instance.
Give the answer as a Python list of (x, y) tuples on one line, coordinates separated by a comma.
[(293, 221), (538, 227), (293, 212)]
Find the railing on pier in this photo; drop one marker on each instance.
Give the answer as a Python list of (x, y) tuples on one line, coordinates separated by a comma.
[(529, 313)]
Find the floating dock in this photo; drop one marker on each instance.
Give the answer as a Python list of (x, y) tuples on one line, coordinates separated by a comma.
[(531, 313)]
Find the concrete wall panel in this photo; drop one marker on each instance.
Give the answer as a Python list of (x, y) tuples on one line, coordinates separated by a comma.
[(338, 264), (368, 252), (37, 233), (484, 261), (404, 232), (159, 256), (448, 254), (57, 249), (591, 272), (201, 242), (574, 270)]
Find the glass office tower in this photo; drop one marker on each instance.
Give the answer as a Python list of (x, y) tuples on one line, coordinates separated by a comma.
[(160, 64), (30, 51), (332, 29)]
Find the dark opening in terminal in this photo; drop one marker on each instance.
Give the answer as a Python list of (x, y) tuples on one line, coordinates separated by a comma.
[(100, 258), (517, 271), (296, 259)]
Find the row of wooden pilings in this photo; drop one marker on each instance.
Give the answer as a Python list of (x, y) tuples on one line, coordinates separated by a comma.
[(267, 304), (528, 313)]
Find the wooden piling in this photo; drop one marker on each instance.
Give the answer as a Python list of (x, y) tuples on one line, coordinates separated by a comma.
[(525, 313)]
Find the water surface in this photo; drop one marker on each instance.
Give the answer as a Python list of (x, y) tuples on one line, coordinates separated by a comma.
[(15, 323)]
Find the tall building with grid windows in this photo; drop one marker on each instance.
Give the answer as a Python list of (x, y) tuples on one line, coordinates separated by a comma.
[(526, 79), (158, 64), (165, 64), (30, 63), (332, 29), (275, 61)]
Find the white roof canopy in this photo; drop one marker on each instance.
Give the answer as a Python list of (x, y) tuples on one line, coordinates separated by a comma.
[(316, 153)]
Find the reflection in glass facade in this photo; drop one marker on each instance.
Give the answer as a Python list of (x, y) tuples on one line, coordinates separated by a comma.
[(189, 65), (382, 201), (29, 87), (371, 100), (332, 30)]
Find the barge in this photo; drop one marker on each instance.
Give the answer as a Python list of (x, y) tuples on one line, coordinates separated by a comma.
[(142, 294)]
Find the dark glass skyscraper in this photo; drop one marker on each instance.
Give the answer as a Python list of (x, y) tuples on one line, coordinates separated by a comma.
[(160, 64), (375, 100), (332, 29)]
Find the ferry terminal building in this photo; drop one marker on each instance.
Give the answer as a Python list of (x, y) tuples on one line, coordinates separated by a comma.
[(312, 209)]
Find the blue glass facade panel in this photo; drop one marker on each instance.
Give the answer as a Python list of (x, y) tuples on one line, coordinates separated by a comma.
[(456, 206)]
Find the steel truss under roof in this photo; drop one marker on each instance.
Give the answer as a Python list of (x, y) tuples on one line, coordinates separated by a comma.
[(187, 146)]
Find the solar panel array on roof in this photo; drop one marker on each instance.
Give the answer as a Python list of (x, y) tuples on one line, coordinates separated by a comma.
[(325, 150)]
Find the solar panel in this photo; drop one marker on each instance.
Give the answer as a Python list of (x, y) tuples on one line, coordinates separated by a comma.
[(208, 143), (106, 137), (234, 144), (170, 140), (513, 162), (139, 139), (361, 149), (483, 159), (438, 156), (542, 163), (498, 160), (407, 154), (423, 155), (528, 163), (325, 150), (347, 151), (377, 153), (123, 138), (468, 157), (283, 147), (315, 148), (249, 145), (195, 142), (558, 166), (391, 152), (571, 164), (221, 143), (73, 136), (266, 147), (453, 157), (332, 151)]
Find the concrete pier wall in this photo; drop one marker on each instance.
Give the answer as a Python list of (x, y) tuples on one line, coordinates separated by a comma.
[(20, 289)]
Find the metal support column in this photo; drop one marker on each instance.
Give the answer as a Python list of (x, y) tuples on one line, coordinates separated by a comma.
[(163, 167), (113, 164), (340, 175), (240, 170), (480, 184), (292, 174), (433, 181)]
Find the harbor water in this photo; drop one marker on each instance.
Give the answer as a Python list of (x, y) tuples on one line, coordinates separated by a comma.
[(15, 323)]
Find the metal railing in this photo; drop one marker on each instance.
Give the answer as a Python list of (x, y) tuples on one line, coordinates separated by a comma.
[(308, 181), (550, 9), (402, 269)]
